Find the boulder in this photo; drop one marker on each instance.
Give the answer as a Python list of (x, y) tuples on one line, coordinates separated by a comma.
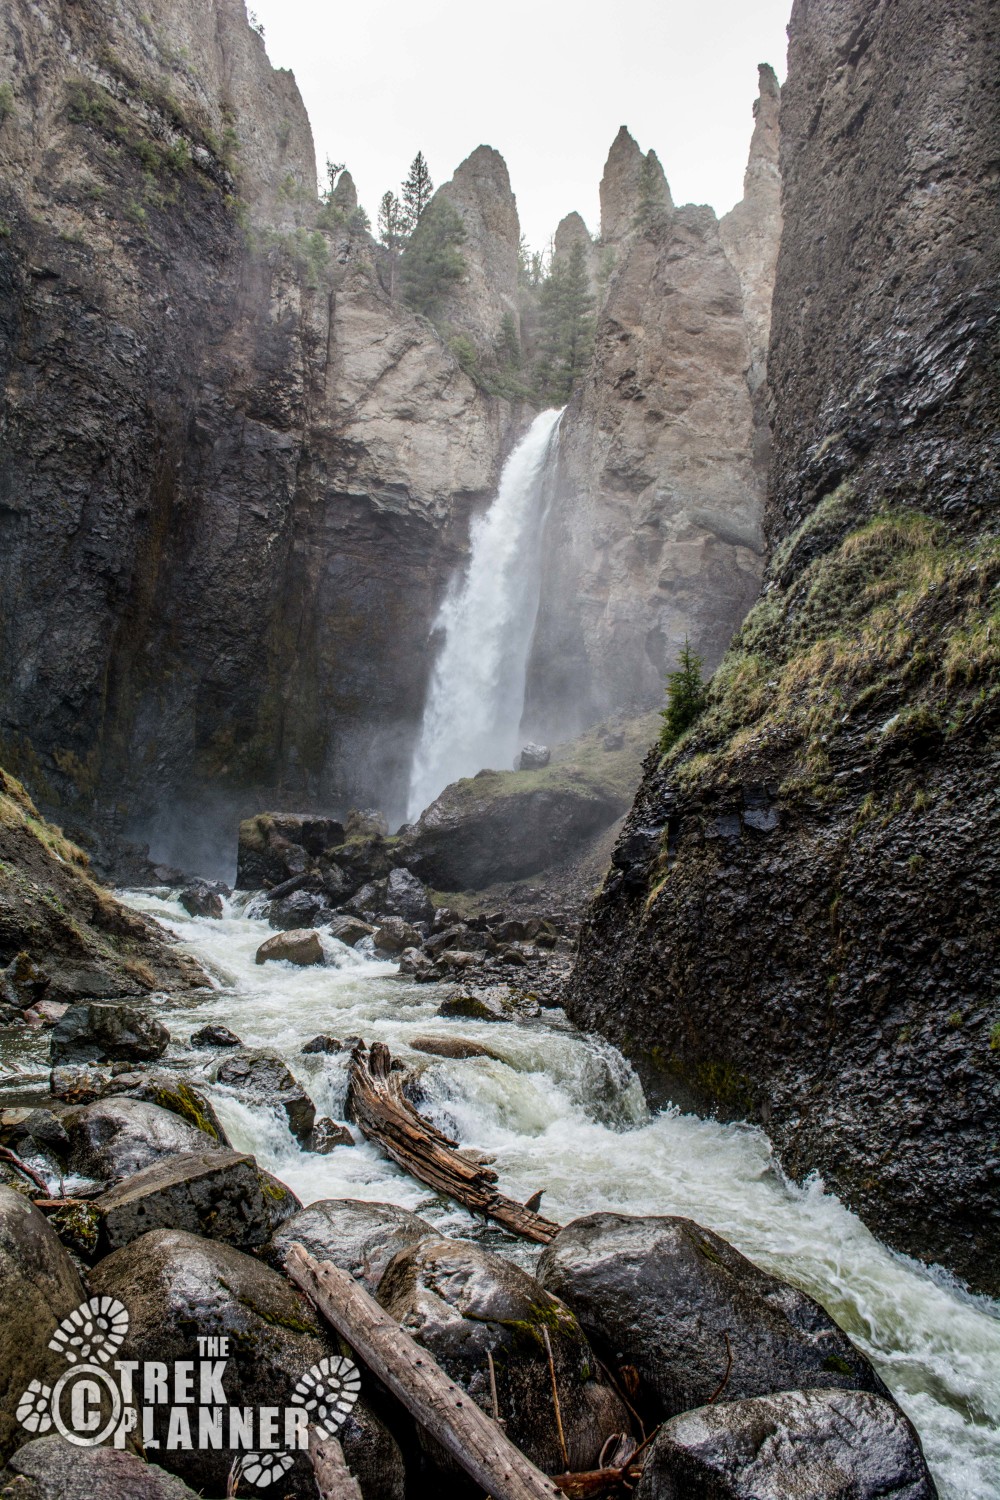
[(665, 1295), (533, 758), (201, 901), (349, 930), (358, 1236), (171, 1091), (394, 935), (177, 1288), (96, 1031), (215, 1036), (39, 1286), (366, 823), (115, 1137), (221, 1195), (22, 982), (54, 1470), (851, 1444), (416, 964), (487, 1006), (300, 911), (462, 1303), (300, 945), (39, 1126), (275, 847), (45, 1013), (323, 1043), (451, 1046), (326, 1134), (366, 902), (263, 1078), (407, 897)]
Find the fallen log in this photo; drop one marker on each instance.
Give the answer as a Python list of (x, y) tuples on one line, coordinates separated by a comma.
[(415, 1378), (334, 1479), (375, 1101)]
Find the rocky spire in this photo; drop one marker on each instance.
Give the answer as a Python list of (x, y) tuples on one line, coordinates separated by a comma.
[(631, 182), (751, 232), (345, 194), (480, 190)]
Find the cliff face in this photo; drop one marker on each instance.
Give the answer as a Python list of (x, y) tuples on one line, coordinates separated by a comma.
[(799, 927), (480, 191), (235, 478), (655, 530)]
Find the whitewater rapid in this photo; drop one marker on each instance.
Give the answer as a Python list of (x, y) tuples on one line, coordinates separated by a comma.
[(564, 1112), (476, 695)]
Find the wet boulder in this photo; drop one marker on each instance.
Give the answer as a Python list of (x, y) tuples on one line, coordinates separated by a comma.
[(460, 1047), (22, 983), (52, 1469), (394, 935), (115, 1137), (215, 1036), (275, 847), (462, 1303), (300, 945), (533, 758), (39, 1286), (40, 1128), (349, 930), (323, 1043), (300, 911), (327, 1135), (487, 1005), (670, 1299), (366, 901), (173, 1092), (96, 1031), (358, 1236), (263, 1078), (200, 900), (407, 897), (178, 1288), (222, 1195), (851, 1444), (416, 965)]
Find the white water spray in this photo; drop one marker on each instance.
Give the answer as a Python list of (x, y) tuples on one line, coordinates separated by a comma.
[(476, 695)]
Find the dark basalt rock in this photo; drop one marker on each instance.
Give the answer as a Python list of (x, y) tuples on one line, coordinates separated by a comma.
[(52, 1469), (461, 1303), (117, 1137), (264, 1078), (107, 1033), (406, 897), (201, 901), (303, 909), (851, 1444), (394, 934), (215, 1036), (327, 1135), (673, 1300), (358, 1236)]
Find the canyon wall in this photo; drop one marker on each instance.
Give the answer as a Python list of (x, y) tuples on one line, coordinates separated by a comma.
[(799, 926), (235, 477), (654, 535)]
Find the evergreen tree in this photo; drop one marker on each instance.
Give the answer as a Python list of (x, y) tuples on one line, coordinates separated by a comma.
[(685, 697), (391, 233), (508, 345), (417, 190), (566, 328), (432, 261), (652, 192)]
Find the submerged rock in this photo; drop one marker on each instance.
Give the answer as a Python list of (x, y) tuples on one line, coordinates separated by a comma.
[(850, 1444), (52, 1469), (677, 1302), (463, 1303), (106, 1032), (298, 946), (263, 1078), (39, 1285), (358, 1236), (451, 1046)]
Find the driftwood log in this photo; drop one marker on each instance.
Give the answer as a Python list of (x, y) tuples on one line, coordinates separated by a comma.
[(334, 1479), (375, 1101), (413, 1376)]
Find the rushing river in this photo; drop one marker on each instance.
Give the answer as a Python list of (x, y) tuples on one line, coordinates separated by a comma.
[(563, 1112)]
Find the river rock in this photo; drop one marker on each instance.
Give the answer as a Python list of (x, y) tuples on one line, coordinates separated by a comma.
[(406, 897), (263, 1078), (323, 1043), (298, 946), (394, 935), (533, 758), (664, 1294), (116, 1137), (300, 911), (358, 1236), (416, 965), (327, 1134), (173, 1092), (275, 847), (39, 1285), (222, 1195), (107, 1032), (851, 1444), (349, 930), (485, 1006), (201, 901), (462, 1302), (22, 982), (215, 1036), (451, 1046), (366, 902), (52, 1469), (40, 1126)]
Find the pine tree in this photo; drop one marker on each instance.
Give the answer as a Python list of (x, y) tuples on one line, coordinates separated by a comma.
[(391, 233), (685, 697), (417, 190), (432, 261), (566, 328)]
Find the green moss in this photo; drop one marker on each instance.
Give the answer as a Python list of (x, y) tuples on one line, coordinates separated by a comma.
[(995, 1037), (954, 1020), (183, 1101), (837, 1365), (6, 102)]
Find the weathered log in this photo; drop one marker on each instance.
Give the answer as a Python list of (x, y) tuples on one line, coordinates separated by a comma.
[(334, 1479), (375, 1101), (415, 1378)]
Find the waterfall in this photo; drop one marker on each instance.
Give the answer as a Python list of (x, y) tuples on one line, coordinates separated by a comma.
[(476, 696)]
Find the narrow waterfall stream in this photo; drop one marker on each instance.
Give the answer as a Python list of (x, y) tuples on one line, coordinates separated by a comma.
[(563, 1112), (476, 693)]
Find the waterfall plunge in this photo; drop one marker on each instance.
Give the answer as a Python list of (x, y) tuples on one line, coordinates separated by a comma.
[(476, 695)]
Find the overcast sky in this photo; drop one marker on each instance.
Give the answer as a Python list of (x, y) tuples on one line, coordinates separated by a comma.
[(547, 82)]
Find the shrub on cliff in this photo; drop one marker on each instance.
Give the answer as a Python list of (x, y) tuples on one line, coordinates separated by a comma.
[(685, 697), (432, 261)]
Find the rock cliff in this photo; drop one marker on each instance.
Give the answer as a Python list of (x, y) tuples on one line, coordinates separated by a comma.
[(235, 477), (798, 927), (654, 534), (480, 190)]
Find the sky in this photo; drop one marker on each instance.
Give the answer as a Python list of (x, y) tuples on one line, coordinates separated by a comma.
[(546, 82)]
